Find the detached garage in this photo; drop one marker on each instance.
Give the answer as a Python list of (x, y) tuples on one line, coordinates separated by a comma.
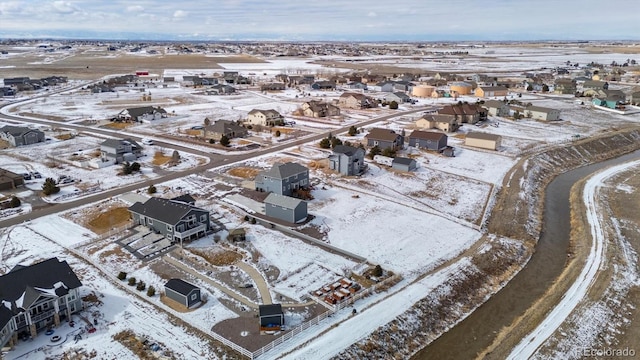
[(271, 317), (285, 208), (183, 292), (483, 140)]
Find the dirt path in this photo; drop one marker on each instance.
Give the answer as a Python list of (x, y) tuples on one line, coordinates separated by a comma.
[(257, 277)]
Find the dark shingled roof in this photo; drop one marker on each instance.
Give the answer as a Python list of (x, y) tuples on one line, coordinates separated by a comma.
[(164, 210), (180, 286), (403, 160), (16, 130), (427, 135), (269, 310), (283, 171), (31, 281), (185, 198), (382, 134), (345, 149)]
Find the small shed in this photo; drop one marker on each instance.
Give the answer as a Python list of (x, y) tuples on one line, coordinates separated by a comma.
[(183, 292), (404, 164), (271, 317), (285, 208)]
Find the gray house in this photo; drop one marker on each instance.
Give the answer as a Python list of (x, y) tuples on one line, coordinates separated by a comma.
[(428, 140), (271, 316), (175, 220), (184, 293), (347, 160), (140, 114), (497, 108), (404, 164), (120, 150), (385, 139), (18, 135), (285, 208), (283, 179), (35, 297)]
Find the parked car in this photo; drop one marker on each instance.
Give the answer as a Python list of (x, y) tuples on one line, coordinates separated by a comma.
[(147, 142), (26, 176), (36, 175)]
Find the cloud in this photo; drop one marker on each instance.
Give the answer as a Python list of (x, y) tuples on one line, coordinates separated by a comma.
[(64, 7), (134, 8), (179, 14), (372, 14)]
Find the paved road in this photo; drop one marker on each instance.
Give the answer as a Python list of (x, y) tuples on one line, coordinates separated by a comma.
[(216, 160)]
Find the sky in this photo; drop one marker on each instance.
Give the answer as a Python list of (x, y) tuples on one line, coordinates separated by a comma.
[(321, 20)]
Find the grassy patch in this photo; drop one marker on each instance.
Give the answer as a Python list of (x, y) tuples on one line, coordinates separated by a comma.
[(244, 172), (160, 158), (106, 220), (118, 125), (218, 257)]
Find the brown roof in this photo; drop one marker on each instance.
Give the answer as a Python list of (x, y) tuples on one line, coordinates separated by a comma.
[(355, 95), (427, 135), (460, 109), (483, 136), (382, 134), (493, 88), (439, 118)]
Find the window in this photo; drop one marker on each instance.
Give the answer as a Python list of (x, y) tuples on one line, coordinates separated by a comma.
[(169, 228), (180, 228), (150, 221), (194, 296), (203, 218)]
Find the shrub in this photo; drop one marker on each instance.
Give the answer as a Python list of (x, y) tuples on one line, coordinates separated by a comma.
[(246, 218), (132, 281), (212, 141), (15, 202), (393, 105), (141, 285), (377, 271), (253, 220), (49, 187), (352, 131), (122, 275), (224, 140), (325, 143), (152, 189), (151, 291)]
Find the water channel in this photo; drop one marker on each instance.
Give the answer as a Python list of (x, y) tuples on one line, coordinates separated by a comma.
[(477, 331)]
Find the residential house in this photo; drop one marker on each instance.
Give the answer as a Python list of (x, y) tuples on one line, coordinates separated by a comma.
[(10, 180), (323, 85), (347, 160), (264, 117), (541, 113), (182, 292), (285, 208), (119, 150), (33, 298), (175, 220), (272, 87), (7, 91), (356, 101), (398, 96), (20, 135), (318, 109), (16, 81), (221, 89), (446, 123), (616, 95), (271, 317), (403, 85), (384, 139), (565, 86), (496, 108), (228, 128), (595, 85), (483, 140), (491, 91), (465, 113), (357, 85), (404, 164), (144, 113), (283, 179), (101, 88), (383, 86), (428, 140)]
